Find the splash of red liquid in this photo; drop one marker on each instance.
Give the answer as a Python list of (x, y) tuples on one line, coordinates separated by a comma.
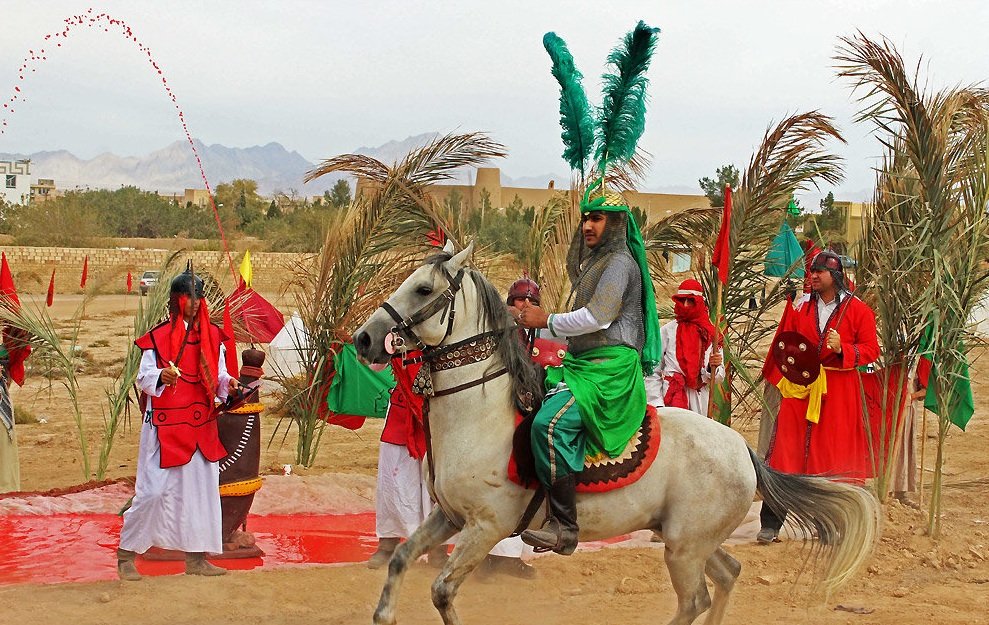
[(103, 20)]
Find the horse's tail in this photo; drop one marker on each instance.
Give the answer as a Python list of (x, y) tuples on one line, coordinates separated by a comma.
[(844, 517)]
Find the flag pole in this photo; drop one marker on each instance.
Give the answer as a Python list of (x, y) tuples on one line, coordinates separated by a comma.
[(718, 319), (721, 261), (923, 454)]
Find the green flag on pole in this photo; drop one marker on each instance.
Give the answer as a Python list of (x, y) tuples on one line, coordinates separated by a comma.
[(785, 252), (961, 401)]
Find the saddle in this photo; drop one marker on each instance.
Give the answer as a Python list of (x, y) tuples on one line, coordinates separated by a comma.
[(601, 473)]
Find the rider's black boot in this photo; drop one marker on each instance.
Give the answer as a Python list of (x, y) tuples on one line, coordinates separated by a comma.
[(559, 532)]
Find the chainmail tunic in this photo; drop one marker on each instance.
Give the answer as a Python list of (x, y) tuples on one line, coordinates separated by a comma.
[(608, 283)]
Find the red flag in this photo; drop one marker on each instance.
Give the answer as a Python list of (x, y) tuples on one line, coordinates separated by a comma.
[(722, 254), (436, 238), (7, 288), (85, 272), (14, 339), (258, 318), (51, 290), (130, 282), (230, 343)]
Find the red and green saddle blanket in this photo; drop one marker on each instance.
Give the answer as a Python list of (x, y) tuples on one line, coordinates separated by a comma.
[(601, 473)]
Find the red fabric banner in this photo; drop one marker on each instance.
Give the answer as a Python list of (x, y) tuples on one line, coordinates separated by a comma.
[(85, 272), (51, 291), (13, 339), (722, 253), (259, 320), (130, 282)]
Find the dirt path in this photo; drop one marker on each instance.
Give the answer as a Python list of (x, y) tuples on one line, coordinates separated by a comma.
[(911, 579)]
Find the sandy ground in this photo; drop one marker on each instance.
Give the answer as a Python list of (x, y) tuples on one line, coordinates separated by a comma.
[(910, 579)]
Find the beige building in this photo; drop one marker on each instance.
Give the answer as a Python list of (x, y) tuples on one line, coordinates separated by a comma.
[(43, 190), (854, 215), (488, 180)]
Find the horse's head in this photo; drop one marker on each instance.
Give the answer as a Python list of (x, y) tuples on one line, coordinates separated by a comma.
[(421, 305)]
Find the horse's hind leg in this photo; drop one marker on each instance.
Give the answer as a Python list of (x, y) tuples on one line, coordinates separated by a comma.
[(723, 571), (433, 531), (686, 564), (473, 543)]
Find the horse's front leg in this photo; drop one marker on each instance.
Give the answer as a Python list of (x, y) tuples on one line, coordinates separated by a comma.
[(473, 544), (433, 531)]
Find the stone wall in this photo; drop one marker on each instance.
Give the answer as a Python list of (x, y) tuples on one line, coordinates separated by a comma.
[(32, 266)]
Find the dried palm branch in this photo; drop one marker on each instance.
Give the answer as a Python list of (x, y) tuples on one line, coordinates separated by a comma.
[(368, 250), (59, 348), (552, 276), (119, 397), (792, 156), (940, 140)]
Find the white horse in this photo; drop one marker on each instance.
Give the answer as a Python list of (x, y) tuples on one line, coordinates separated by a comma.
[(695, 494)]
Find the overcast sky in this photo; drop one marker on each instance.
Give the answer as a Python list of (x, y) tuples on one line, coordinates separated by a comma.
[(324, 78)]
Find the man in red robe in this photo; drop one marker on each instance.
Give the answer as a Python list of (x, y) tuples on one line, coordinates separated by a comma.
[(830, 440)]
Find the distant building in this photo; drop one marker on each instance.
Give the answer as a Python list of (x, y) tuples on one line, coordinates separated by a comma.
[(854, 213), (196, 197), (488, 182), (43, 190), (15, 181)]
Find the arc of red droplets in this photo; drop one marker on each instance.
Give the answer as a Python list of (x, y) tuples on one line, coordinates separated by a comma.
[(89, 20)]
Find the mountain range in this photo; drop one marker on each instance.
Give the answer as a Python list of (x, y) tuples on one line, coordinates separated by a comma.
[(276, 169)]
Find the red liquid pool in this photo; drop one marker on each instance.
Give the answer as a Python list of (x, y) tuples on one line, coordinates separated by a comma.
[(60, 548)]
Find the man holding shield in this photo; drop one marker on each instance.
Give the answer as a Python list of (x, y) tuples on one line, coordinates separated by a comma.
[(815, 355)]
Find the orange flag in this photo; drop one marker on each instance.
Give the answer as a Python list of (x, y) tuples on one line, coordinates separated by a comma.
[(51, 290)]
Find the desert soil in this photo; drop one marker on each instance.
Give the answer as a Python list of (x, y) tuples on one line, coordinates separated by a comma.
[(911, 578)]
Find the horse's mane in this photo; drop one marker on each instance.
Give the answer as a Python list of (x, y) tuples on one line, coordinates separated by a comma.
[(491, 308)]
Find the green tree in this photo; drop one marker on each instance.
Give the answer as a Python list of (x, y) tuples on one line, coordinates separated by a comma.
[(714, 188), (340, 194), (829, 225), (273, 211), (241, 197)]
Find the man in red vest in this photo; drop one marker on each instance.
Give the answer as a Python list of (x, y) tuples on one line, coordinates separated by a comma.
[(176, 502)]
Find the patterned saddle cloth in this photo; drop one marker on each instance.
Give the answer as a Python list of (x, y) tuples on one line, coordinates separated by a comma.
[(601, 473)]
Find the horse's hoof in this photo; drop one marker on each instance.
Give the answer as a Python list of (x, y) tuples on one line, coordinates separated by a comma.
[(767, 536), (380, 620)]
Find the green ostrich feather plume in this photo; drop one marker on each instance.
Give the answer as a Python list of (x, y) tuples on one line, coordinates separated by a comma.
[(575, 112), (622, 114)]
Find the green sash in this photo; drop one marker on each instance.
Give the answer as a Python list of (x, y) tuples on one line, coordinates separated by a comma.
[(607, 384)]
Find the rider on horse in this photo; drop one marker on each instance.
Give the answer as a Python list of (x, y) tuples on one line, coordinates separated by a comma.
[(596, 400)]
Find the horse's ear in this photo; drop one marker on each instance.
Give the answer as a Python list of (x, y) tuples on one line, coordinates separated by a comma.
[(448, 248), (461, 260)]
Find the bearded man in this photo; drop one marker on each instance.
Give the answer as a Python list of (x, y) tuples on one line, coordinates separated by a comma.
[(820, 428), (596, 400)]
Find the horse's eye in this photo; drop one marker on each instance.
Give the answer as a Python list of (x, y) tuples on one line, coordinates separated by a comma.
[(424, 291)]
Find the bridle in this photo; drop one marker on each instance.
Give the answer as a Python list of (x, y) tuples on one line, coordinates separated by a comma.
[(442, 357), (445, 302)]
